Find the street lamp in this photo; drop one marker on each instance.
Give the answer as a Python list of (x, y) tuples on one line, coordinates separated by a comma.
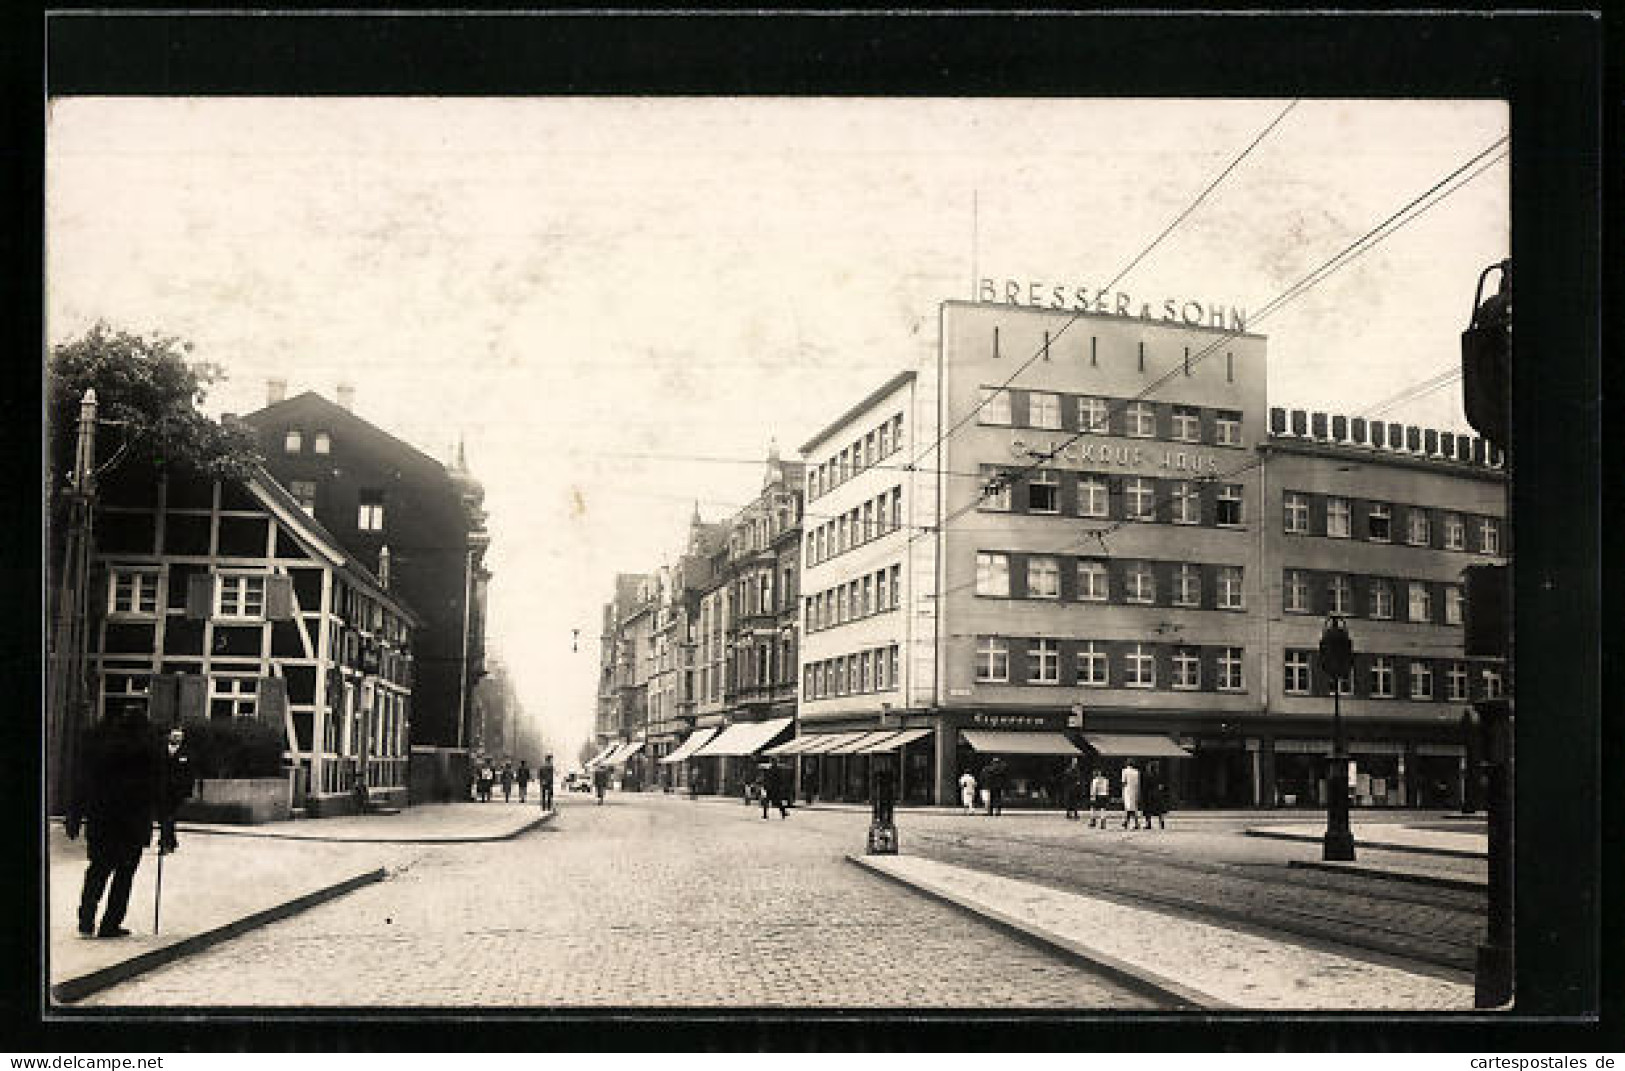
[(883, 795), (1337, 662)]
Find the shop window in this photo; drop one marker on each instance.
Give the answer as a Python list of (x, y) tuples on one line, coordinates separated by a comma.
[(1296, 680), (1230, 669), (993, 574), (1044, 662), (1296, 507), (1337, 518), (1229, 504), (1092, 664), (1044, 493), (995, 406), (1044, 410), (992, 660), (1043, 578), (1092, 415)]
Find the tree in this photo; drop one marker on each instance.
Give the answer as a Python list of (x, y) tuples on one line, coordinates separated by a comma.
[(148, 393)]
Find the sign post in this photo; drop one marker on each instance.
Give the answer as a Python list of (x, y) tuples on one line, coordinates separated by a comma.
[(1337, 662)]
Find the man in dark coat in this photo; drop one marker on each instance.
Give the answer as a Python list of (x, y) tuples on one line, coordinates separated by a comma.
[(177, 787), (521, 777), (544, 782), (1072, 789), (993, 779), (885, 789), (773, 790), (115, 798)]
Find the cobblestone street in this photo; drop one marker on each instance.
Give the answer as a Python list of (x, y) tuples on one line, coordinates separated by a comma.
[(648, 900)]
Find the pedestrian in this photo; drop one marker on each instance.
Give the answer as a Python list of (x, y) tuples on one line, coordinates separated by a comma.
[(885, 791), (967, 791), (1100, 794), (600, 782), (116, 795), (773, 794), (507, 782), (994, 777), (521, 778), (544, 783), (486, 779), (1131, 795), (1072, 789), (177, 787), (1153, 796)]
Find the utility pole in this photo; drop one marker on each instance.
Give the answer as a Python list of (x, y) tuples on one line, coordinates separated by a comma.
[(67, 698)]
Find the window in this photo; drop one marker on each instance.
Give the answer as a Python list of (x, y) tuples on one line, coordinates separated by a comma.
[(1339, 594), (897, 444), (1140, 420), (1140, 584), (1043, 578), (1297, 513), (1492, 684), (1295, 592), (293, 441), (1296, 681), (133, 592), (1337, 518), (1230, 669), (868, 530), (1489, 536), (1230, 504), (1044, 493), (1382, 677), (1456, 681), (896, 586), (812, 483), (1382, 599), (1421, 680), (240, 596), (1092, 415), (871, 449), (1187, 669), (304, 493), (124, 688), (231, 697), (995, 406), (865, 600), (867, 662), (840, 605), (1093, 498), (993, 574), (1141, 497), (1455, 532), (1187, 424), (1230, 596), (1187, 585), (370, 517), (880, 671), (891, 662), (1380, 522), (896, 508), (996, 492), (1092, 583), (322, 443), (1452, 604), (885, 439), (1421, 608), (1227, 428), (1044, 662), (1418, 532), (1044, 410), (1140, 667), (1092, 664), (883, 590), (1187, 503)]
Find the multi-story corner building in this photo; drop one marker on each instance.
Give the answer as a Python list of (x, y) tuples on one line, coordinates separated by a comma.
[(1082, 565), (223, 600), (673, 686), (402, 513)]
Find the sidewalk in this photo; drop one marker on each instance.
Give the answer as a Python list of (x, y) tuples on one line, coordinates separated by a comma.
[(1186, 962), (227, 879), (1393, 836)]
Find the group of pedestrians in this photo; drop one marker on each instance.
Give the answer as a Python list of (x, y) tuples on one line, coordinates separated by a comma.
[(123, 783), (1143, 793), (487, 778)]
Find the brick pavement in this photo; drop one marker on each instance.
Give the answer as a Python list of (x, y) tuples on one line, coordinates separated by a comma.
[(646, 901)]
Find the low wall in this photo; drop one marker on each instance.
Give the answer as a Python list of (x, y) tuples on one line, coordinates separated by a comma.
[(243, 800)]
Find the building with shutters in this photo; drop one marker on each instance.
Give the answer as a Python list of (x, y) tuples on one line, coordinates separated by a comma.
[(220, 600), (396, 511)]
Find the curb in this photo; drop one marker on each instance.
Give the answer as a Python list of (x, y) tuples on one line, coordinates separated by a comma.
[(76, 989), (1138, 979), (215, 831), (1443, 881), (1415, 849)]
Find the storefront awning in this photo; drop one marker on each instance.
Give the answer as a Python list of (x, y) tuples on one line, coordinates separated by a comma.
[(598, 759), (897, 740), (628, 751), (863, 740), (1135, 746), (823, 742), (746, 738), (1002, 742), (1324, 747), (695, 740), (792, 746)]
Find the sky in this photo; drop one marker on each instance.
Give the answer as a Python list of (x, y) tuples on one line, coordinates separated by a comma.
[(618, 305)]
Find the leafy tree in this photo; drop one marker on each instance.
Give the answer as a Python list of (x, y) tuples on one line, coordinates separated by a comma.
[(149, 392)]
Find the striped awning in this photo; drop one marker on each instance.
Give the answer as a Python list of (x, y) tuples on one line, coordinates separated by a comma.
[(852, 747), (793, 746), (1133, 745), (897, 740), (745, 738), (695, 740), (599, 758), (628, 751), (1003, 742), (824, 742)]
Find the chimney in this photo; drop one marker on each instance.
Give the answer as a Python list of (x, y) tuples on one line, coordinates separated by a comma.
[(346, 396), (275, 390)]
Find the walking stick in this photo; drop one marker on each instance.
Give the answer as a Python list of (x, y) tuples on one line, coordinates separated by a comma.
[(158, 889)]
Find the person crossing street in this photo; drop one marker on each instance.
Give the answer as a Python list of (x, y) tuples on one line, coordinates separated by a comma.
[(773, 794)]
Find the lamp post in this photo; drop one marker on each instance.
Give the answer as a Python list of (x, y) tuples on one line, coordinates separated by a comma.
[(883, 795), (1337, 661)]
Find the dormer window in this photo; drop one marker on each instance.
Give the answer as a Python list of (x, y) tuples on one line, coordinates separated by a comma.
[(323, 443), (293, 441)]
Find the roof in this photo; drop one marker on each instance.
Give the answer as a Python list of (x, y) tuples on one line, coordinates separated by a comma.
[(841, 421), (340, 415)]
